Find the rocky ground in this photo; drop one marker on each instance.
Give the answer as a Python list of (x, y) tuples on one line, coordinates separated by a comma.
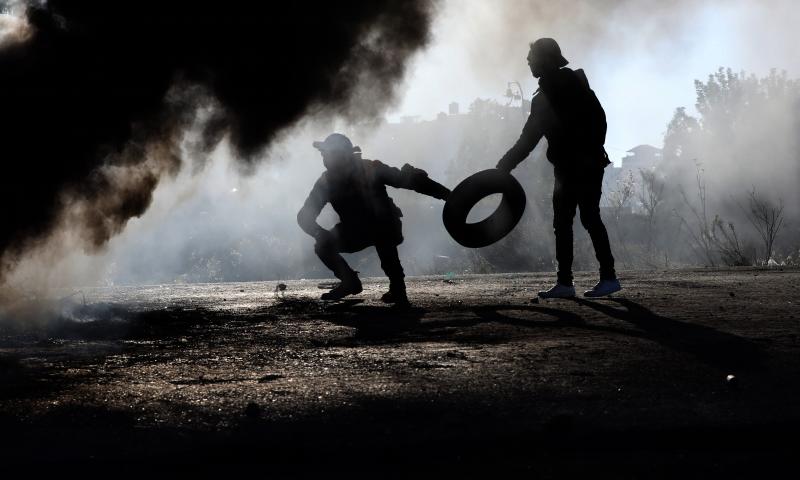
[(475, 377)]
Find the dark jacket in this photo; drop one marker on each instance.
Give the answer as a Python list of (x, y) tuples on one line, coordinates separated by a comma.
[(360, 198), (566, 112)]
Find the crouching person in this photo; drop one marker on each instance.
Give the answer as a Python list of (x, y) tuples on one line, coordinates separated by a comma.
[(356, 189)]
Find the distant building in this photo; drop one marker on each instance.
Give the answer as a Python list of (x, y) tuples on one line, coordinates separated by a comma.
[(453, 108), (642, 157), (611, 176)]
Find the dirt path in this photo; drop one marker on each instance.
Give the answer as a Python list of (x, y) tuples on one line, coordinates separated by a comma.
[(474, 376)]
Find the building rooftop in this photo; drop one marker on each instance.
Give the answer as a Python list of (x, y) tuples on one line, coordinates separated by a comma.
[(644, 149)]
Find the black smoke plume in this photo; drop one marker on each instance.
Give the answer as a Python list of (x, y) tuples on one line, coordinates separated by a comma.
[(98, 96)]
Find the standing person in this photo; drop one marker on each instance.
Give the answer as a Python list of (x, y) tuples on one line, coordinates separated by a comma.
[(356, 189), (566, 111)]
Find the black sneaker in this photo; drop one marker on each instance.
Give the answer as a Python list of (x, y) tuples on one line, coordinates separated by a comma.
[(558, 291), (395, 296), (343, 289)]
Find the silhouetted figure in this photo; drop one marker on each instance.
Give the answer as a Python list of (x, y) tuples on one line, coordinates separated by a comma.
[(356, 189), (566, 111)]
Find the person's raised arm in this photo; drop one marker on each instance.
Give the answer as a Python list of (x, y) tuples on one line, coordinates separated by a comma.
[(532, 132), (307, 216), (411, 178)]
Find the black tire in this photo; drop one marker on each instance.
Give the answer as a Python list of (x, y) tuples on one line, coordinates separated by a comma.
[(470, 192)]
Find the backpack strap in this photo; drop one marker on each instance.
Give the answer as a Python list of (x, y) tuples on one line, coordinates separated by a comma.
[(582, 77)]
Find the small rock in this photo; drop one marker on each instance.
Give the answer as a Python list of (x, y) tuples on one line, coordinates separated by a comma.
[(535, 300), (731, 294), (731, 381)]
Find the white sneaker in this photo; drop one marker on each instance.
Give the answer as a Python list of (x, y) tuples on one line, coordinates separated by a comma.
[(558, 291), (603, 288)]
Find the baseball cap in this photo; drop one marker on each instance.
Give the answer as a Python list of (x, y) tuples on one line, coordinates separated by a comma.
[(335, 142)]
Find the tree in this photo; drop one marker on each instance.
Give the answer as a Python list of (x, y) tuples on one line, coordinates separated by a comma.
[(767, 218), (680, 139), (728, 244), (743, 122), (650, 196), (745, 134), (618, 200)]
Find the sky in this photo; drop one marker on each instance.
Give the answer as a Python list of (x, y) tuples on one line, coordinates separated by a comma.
[(641, 57)]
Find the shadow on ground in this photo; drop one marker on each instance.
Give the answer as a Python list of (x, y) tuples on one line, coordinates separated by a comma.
[(497, 404), (388, 325)]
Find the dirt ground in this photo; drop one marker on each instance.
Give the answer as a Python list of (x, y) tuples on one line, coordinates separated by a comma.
[(475, 377)]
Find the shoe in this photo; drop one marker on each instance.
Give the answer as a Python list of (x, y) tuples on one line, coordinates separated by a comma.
[(397, 296), (603, 288), (343, 289), (558, 291)]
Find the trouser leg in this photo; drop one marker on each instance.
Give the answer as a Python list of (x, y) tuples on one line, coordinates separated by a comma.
[(602, 247), (390, 263), (590, 219), (328, 251), (564, 204)]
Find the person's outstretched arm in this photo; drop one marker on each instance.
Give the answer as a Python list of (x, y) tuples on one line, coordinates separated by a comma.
[(532, 132), (307, 216), (411, 178)]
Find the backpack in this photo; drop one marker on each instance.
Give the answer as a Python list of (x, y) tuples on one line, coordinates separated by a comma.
[(595, 117)]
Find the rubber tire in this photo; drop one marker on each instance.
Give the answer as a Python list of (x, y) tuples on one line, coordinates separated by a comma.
[(472, 190)]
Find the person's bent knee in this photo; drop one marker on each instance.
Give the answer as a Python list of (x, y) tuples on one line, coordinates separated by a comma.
[(323, 247)]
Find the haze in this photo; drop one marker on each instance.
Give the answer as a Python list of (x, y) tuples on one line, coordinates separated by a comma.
[(217, 223), (641, 56)]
